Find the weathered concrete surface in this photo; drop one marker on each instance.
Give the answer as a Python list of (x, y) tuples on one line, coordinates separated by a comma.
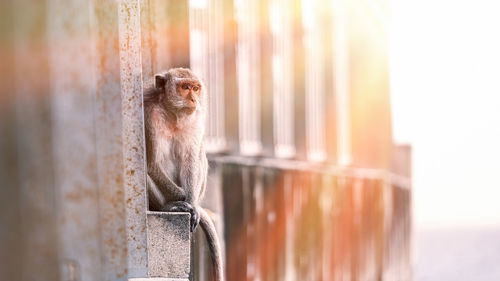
[(169, 244), (129, 26), (158, 279)]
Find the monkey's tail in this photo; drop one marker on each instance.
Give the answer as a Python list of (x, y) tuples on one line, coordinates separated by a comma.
[(213, 244)]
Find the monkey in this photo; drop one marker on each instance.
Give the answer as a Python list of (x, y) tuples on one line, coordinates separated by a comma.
[(177, 166)]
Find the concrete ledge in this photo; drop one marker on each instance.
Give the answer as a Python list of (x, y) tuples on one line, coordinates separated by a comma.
[(158, 279), (169, 246)]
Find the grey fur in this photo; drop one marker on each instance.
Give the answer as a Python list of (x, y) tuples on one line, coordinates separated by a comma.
[(176, 162)]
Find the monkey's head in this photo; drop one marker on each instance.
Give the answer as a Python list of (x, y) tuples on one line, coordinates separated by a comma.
[(181, 90)]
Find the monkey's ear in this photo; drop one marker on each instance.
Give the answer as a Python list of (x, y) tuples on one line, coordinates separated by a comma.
[(160, 81)]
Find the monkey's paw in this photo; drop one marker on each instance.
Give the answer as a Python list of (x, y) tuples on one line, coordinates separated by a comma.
[(183, 206)]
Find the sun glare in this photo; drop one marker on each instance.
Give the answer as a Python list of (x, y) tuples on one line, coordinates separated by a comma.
[(445, 68)]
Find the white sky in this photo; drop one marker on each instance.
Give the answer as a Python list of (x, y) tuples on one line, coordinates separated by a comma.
[(445, 70)]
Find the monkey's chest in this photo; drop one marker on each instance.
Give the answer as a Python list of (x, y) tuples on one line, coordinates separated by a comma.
[(172, 163), (175, 159)]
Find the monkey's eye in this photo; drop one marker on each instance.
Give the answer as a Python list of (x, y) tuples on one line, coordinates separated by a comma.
[(185, 86), (196, 88)]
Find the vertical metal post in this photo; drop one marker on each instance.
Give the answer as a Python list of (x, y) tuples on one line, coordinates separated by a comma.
[(341, 81), (327, 202), (315, 81), (207, 59), (159, 53), (290, 270), (147, 38), (10, 217), (283, 101), (248, 65)]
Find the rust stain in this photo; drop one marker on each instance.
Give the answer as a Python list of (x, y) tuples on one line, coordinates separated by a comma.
[(114, 253), (110, 242), (80, 193), (118, 180), (122, 274)]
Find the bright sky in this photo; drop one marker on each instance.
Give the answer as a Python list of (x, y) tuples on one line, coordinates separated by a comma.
[(445, 69)]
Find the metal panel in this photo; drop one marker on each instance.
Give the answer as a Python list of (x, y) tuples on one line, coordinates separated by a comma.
[(33, 169), (73, 139), (10, 215), (248, 65), (108, 126)]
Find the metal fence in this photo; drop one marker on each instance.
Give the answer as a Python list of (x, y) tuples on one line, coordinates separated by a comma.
[(296, 221)]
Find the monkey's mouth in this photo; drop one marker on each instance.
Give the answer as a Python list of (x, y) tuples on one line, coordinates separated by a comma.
[(190, 106), (189, 109)]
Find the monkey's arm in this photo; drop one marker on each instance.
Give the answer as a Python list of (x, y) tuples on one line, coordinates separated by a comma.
[(193, 175), (165, 195), (161, 188)]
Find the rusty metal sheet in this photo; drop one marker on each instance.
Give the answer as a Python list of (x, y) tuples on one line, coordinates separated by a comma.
[(108, 126), (73, 135), (32, 251)]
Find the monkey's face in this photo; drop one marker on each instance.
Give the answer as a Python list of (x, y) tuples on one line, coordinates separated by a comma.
[(190, 92), (182, 90)]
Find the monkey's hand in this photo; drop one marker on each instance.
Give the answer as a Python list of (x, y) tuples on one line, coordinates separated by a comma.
[(183, 206)]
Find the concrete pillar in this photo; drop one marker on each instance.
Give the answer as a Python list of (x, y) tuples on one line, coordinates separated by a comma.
[(133, 136)]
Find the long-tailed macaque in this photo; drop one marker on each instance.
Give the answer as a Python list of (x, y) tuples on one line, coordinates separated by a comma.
[(174, 110)]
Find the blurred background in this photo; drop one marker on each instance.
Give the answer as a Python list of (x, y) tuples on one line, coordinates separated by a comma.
[(445, 97), (347, 139)]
